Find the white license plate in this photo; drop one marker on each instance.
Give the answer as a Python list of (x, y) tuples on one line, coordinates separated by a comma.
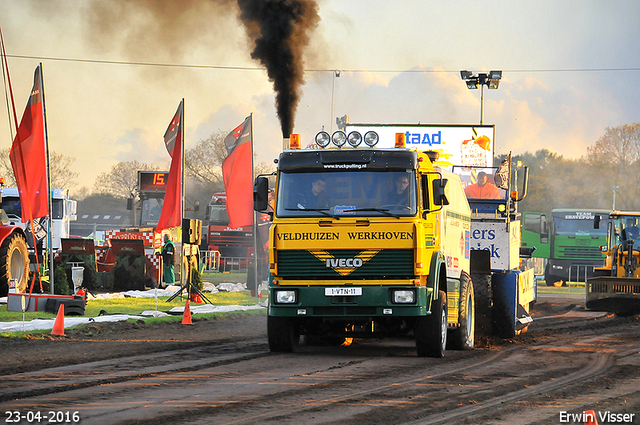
[(342, 292)]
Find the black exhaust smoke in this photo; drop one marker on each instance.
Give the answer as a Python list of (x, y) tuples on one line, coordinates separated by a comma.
[(279, 29)]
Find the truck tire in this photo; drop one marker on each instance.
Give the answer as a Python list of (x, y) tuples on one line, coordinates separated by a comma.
[(463, 337), (553, 280), (431, 331), (483, 302), (14, 263), (283, 334)]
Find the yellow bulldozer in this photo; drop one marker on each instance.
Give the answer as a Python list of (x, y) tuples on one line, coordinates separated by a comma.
[(615, 287)]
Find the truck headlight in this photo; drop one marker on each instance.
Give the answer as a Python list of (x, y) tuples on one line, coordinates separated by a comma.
[(354, 138), (287, 296), (404, 296), (371, 138), (339, 138), (323, 139)]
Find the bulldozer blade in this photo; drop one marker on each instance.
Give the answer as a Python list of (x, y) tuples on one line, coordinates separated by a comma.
[(619, 295)]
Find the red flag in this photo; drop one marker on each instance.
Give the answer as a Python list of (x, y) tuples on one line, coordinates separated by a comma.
[(171, 215), (28, 156), (237, 171)]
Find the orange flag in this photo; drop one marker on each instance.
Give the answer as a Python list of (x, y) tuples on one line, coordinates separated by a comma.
[(28, 156), (171, 214), (237, 171)]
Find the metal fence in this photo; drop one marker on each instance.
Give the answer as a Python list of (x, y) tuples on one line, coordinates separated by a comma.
[(213, 262), (578, 275)]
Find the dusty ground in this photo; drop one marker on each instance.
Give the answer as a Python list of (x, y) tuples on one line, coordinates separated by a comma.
[(109, 340)]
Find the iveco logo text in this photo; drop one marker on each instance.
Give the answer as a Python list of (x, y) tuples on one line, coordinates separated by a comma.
[(344, 262), (424, 139)]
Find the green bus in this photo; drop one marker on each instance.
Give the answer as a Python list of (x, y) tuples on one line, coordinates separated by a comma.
[(568, 242)]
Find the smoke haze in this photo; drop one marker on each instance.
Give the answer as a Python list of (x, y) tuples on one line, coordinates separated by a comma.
[(278, 32), (156, 29)]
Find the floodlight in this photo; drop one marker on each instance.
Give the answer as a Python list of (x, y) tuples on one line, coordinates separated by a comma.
[(491, 80), (494, 79), (495, 75), (465, 75)]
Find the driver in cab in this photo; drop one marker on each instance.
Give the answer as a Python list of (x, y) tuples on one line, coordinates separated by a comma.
[(400, 194), (315, 196)]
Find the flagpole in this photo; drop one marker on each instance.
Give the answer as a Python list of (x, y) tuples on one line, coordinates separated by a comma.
[(255, 220), (182, 163), (49, 198), (186, 272)]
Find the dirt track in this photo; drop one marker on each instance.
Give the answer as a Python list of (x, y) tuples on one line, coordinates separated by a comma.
[(220, 371)]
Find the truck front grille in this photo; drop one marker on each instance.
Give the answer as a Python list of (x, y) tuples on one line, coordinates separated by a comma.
[(581, 253), (385, 264)]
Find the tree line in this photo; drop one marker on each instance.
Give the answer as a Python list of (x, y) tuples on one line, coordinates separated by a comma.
[(611, 163)]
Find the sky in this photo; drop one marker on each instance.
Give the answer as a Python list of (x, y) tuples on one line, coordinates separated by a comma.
[(116, 70)]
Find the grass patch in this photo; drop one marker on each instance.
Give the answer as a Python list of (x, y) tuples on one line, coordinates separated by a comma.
[(232, 277), (575, 288), (134, 305)]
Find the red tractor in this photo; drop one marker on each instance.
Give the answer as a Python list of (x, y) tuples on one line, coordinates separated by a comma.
[(14, 257)]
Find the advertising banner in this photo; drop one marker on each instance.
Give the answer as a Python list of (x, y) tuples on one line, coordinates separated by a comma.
[(466, 145)]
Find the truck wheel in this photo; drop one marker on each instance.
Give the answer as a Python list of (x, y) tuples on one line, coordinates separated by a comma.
[(282, 334), (551, 280), (483, 302), (14, 264), (462, 338), (431, 331)]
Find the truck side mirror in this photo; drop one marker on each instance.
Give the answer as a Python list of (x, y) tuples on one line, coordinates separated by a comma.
[(596, 221), (261, 194), (439, 197), (544, 229), (544, 225)]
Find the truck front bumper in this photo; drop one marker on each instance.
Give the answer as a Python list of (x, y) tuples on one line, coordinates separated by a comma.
[(360, 301)]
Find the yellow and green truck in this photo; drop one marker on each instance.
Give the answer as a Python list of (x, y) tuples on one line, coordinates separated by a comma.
[(367, 242)]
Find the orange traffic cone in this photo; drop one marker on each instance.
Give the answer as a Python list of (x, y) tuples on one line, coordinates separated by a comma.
[(590, 417), (186, 316), (58, 325)]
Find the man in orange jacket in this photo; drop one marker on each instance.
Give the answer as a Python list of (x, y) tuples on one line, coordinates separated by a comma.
[(483, 189)]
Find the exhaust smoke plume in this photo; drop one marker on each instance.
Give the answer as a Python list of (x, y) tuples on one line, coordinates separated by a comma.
[(279, 29)]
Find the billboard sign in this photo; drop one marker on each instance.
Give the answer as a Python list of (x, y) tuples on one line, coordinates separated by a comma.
[(466, 145)]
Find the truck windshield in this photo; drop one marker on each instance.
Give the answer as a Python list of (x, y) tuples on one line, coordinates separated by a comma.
[(347, 193), (578, 227), (151, 209), (627, 228), (11, 206), (218, 214)]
